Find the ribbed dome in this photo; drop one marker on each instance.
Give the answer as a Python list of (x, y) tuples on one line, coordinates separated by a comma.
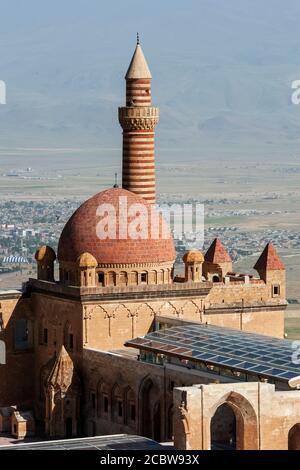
[(79, 234), (45, 253), (193, 256), (86, 260)]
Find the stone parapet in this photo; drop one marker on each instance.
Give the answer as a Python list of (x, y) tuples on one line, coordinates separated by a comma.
[(125, 292)]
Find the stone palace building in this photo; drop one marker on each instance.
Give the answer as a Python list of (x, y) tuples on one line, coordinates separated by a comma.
[(118, 344)]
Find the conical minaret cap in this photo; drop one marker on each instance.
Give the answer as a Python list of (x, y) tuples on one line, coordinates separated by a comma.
[(138, 67)]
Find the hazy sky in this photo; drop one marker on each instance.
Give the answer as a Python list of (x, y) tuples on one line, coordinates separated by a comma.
[(170, 23), (219, 67)]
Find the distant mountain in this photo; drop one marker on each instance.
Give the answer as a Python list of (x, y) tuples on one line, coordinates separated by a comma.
[(222, 71)]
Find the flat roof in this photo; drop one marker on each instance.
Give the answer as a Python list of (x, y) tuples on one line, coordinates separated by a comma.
[(112, 442), (225, 347), (10, 291)]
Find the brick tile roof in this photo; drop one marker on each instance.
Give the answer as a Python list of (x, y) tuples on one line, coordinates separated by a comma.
[(79, 234), (216, 253), (269, 259)]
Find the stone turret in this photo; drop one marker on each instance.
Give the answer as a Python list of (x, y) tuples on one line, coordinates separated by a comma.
[(45, 257), (217, 262), (272, 270), (62, 392), (193, 261), (138, 120), (86, 264)]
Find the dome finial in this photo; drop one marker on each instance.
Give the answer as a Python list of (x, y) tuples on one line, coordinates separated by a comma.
[(116, 181), (137, 39)]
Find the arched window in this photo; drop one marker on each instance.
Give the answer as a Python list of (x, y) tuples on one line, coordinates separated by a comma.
[(152, 277), (216, 278), (130, 415), (102, 400), (134, 278), (99, 391), (160, 277), (43, 332), (111, 278), (101, 278), (117, 405), (123, 278), (68, 337)]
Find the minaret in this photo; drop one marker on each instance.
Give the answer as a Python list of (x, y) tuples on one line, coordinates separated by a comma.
[(138, 120)]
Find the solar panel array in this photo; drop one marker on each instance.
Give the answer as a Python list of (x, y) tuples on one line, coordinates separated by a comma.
[(114, 442), (232, 349)]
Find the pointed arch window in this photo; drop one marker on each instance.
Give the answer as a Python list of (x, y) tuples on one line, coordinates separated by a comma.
[(68, 337), (130, 415), (117, 405)]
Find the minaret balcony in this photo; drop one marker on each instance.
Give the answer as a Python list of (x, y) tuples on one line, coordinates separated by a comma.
[(131, 118)]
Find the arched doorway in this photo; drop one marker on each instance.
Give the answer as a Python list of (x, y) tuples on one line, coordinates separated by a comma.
[(223, 428), (146, 424), (235, 415), (294, 438), (149, 410)]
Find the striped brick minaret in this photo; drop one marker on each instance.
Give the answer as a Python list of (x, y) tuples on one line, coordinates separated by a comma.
[(138, 120)]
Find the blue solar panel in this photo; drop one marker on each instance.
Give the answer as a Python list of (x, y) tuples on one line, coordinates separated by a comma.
[(258, 369), (203, 356), (232, 362), (279, 362), (287, 375), (218, 359), (227, 347), (275, 371)]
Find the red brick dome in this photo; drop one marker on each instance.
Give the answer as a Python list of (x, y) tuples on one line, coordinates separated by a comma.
[(81, 232)]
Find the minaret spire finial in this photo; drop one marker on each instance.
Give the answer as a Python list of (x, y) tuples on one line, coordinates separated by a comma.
[(137, 39), (116, 181)]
